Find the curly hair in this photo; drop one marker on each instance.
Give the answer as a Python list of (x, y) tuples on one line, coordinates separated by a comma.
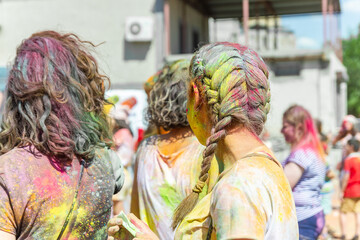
[(168, 97), (56, 95)]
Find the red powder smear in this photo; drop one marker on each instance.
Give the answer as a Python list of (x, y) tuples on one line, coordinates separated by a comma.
[(252, 97), (138, 226), (47, 184)]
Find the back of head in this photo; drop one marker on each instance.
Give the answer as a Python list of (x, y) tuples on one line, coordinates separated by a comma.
[(348, 125), (349, 118), (354, 143), (168, 97), (56, 94), (297, 115), (233, 80), (236, 83)]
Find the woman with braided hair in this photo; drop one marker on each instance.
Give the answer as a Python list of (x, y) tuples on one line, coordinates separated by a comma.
[(167, 165), (228, 102), (306, 170)]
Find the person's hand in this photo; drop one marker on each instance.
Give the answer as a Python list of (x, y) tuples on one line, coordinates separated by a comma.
[(341, 196), (116, 230), (330, 174)]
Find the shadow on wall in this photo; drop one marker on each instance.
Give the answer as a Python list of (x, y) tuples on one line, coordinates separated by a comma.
[(135, 51)]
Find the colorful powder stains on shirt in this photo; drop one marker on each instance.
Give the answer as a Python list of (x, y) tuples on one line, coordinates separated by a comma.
[(163, 181), (307, 190), (251, 200), (35, 196)]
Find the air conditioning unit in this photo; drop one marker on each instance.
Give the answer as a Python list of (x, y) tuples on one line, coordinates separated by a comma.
[(139, 29)]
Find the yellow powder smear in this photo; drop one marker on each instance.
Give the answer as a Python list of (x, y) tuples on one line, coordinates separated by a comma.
[(279, 184)]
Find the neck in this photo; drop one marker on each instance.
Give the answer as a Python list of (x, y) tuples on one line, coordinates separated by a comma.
[(174, 140), (293, 146), (178, 133), (238, 143)]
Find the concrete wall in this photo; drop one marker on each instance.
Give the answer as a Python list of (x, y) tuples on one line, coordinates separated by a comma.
[(194, 21), (228, 30), (314, 89), (94, 20)]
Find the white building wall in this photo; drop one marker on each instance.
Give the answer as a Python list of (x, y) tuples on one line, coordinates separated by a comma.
[(328, 113), (312, 89), (228, 30), (287, 91), (93, 20)]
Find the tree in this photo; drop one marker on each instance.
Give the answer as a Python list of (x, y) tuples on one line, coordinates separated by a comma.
[(351, 60)]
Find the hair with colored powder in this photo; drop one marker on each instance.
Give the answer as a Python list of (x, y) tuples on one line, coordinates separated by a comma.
[(150, 82), (234, 81), (348, 119), (168, 97), (297, 115), (354, 143), (55, 99)]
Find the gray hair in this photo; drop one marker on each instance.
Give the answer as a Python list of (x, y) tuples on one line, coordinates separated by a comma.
[(168, 97)]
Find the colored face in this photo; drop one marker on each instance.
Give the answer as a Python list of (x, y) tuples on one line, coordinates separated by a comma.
[(197, 115), (289, 132), (348, 126)]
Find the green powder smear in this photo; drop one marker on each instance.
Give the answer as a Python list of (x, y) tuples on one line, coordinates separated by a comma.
[(170, 195)]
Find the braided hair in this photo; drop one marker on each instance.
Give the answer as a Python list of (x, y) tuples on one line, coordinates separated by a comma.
[(234, 81)]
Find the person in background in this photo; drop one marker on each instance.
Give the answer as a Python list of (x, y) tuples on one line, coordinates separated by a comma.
[(167, 165), (148, 86), (124, 147), (351, 187), (57, 174), (228, 102), (347, 131), (324, 140), (327, 189), (305, 168)]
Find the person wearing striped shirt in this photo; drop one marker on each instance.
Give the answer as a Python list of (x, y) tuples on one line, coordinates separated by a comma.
[(305, 169)]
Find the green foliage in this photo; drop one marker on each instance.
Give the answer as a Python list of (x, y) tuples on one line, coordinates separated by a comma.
[(351, 58)]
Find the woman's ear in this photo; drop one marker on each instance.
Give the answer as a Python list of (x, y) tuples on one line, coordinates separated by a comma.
[(197, 96), (299, 130)]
